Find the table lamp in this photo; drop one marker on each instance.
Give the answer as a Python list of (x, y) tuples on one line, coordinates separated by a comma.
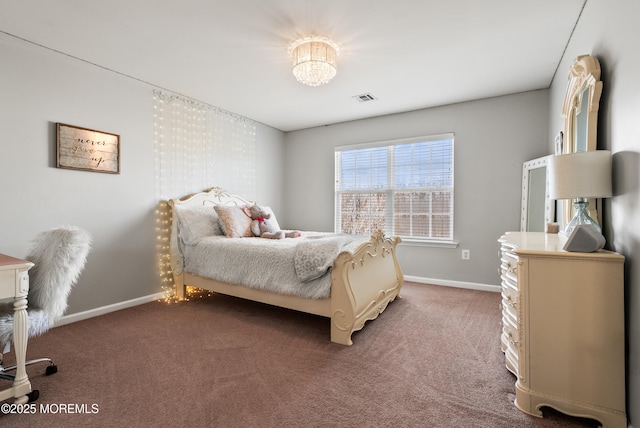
[(580, 176)]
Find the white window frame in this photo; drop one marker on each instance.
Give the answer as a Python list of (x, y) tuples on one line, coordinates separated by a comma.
[(389, 189)]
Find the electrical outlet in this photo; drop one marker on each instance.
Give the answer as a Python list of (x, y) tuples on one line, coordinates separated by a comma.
[(466, 254)]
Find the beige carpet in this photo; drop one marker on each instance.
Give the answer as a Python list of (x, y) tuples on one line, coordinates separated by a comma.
[(432, 359)]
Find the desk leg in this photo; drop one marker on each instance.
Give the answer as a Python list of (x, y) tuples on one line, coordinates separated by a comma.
[(21, 384)]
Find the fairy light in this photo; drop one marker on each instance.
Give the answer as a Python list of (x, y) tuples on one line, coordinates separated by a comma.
[(196, 146), (192, 293), (163, 250)]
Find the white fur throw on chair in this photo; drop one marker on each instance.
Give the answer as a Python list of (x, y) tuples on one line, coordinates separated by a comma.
[(59, 256)]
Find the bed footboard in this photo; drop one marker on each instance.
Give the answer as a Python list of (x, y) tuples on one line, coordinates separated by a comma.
[(363, 284)]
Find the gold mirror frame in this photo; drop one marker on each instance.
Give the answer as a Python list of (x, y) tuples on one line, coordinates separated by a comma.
[(584, 81)]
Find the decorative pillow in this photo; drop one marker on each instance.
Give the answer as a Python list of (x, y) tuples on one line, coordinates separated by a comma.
[(233, 221), (196, 222)]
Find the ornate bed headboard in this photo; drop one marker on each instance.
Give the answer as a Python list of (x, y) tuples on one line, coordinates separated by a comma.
[(211, 197)]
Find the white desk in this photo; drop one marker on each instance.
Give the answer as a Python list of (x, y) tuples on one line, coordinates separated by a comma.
[(14, 283)]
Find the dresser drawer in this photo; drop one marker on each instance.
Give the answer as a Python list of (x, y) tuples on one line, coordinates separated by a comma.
[(511, 360), (509, 282), (510, 326), (509, 268), (509, 341), (510, 301)]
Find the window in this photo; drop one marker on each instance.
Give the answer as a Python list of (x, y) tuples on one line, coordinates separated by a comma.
[(403, 187)]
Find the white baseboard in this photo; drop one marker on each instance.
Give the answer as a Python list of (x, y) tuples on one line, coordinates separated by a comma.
[(458, 284), (68, 319)]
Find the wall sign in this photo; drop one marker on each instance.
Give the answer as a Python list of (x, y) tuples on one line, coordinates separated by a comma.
[(88, 149)]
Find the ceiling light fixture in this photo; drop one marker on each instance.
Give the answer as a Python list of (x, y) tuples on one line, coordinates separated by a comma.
[(314, 60)]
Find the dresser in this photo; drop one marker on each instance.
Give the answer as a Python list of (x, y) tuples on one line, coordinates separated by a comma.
[(563, 327)]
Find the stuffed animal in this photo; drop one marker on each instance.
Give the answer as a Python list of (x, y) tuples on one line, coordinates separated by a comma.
[(262, 227)]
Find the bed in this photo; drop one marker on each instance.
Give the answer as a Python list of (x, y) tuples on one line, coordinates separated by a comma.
[(353, 279)]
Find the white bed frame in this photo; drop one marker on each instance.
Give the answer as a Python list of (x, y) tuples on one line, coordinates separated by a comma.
[(362, 283)]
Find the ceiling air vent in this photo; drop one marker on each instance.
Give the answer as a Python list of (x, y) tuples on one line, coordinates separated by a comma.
[(363, 98)]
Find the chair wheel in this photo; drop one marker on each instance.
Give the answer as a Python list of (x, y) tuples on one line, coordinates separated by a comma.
[(51, 370), (33, 396)]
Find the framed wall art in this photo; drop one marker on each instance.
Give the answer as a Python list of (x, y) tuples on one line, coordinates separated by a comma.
[(87, 149)]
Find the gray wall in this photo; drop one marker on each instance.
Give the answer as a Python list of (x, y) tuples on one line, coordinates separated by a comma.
[(41, 87), (295, 172), (608, 30), (493, 137)]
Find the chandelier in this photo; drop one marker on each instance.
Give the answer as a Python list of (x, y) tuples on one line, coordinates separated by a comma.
[(314, 60)]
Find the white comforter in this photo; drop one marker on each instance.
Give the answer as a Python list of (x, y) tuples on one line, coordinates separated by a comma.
[(293, 266)]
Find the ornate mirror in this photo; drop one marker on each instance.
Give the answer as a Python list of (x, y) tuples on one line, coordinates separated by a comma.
[(581, 103), (580, 111)]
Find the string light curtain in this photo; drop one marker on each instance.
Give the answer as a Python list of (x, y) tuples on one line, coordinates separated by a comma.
[(198, 146)]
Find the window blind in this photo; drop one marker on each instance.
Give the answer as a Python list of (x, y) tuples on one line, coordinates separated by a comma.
[(404, 187)]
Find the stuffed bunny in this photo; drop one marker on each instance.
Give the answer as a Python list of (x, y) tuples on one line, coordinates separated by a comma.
[(262, 227)]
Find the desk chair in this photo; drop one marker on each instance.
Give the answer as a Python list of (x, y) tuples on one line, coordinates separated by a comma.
[(59, 256)]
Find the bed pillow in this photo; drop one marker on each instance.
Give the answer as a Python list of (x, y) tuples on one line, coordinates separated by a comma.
[(235, 223), (196, 222)]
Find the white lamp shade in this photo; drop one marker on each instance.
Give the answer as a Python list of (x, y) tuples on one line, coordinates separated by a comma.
[(580, 175)]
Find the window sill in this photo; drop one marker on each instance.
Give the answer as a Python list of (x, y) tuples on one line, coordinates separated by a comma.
[(428, 243)]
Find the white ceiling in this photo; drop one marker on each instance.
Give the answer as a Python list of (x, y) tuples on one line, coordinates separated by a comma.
[(409, 54)]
